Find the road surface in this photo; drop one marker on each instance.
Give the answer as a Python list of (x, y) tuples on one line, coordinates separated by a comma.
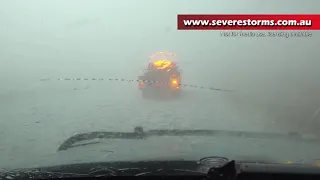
[(35, 122)]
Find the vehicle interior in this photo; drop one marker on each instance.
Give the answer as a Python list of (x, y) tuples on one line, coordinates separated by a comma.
[(210, 168), (206, 168)]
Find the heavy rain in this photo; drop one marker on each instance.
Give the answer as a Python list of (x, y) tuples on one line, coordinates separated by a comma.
[(274, 81)]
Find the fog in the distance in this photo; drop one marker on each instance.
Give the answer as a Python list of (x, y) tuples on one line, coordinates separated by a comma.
[(274, 79)]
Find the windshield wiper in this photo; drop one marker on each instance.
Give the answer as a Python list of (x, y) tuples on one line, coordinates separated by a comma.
[(139, 133)]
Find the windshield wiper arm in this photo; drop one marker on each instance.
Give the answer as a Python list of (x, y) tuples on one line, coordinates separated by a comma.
[(140, 134)]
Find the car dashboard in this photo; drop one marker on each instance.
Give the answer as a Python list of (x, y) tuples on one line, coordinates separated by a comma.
[(205, 169)]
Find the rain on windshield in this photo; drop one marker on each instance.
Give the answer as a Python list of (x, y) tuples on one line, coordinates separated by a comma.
[(47, 45)]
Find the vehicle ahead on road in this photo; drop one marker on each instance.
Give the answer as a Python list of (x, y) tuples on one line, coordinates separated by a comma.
[(162, 76)]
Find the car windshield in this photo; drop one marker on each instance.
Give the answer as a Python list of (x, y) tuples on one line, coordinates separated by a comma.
[(73, 66)]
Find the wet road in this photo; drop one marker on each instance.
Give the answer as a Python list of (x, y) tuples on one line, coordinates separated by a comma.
[(35, 122), (36, 117)]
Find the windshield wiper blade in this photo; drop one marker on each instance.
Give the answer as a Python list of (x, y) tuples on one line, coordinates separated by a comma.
[(140, 134), (69, 143)]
